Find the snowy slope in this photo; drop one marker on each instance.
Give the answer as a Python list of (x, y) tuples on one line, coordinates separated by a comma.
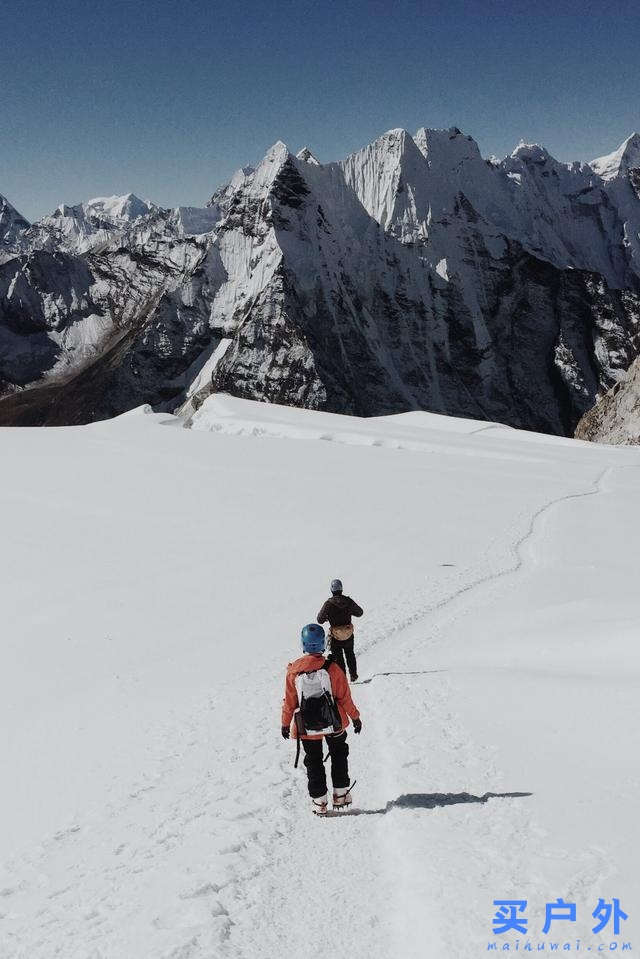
[(622, 161), (153, 592)]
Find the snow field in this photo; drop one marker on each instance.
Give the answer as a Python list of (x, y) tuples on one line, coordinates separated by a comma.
[(155, 586)]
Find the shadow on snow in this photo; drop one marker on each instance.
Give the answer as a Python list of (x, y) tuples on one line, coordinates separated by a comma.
[(408, 672), (425, 801)]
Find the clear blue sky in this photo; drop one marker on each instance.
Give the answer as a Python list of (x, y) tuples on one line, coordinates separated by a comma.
[(166, 98)]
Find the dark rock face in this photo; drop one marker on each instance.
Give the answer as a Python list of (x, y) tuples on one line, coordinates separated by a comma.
[(40, 294), (130, 337), (318, 351), (381, 285)]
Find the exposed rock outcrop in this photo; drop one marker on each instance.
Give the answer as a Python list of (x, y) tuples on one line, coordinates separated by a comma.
[(616, 417)]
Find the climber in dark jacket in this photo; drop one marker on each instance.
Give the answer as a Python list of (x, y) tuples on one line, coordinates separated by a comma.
[(338, 610)]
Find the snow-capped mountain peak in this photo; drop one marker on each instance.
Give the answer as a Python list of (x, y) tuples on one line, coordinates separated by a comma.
[(268, 169), (446, 148), (379, 175), (119, 209), (621, 161), (86, 226), (115, 209), (256, 181), (12, 223), (532, 152), (307, 156)]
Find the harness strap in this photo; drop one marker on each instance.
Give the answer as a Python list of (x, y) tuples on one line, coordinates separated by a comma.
[(299, 724)]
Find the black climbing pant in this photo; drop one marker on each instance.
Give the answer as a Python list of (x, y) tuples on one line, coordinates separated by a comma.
[(313, 756), (341, 651)]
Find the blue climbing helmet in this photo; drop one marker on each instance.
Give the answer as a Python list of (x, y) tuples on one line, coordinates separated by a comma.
[(313, 639), (336, 586)]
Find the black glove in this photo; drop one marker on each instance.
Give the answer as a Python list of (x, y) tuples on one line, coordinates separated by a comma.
[(285, 732), (357, 725)]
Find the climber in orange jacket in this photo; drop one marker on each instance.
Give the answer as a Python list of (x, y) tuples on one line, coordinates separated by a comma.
[(318, 698)]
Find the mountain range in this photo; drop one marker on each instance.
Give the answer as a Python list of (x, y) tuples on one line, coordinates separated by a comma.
[(415, 274)]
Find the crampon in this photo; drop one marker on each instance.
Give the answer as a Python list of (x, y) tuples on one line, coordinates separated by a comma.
[(342, 796)]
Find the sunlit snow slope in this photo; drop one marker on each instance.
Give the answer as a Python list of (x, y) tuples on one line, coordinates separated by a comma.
[(154, 580)]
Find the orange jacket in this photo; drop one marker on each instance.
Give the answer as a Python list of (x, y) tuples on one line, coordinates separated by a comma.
[(339, 688)]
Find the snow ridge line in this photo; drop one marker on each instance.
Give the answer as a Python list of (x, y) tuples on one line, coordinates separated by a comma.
[(407, 440), (492, 577)]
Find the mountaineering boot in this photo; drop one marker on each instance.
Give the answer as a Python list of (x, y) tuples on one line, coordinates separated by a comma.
[(342, 797), (353, 677), (319, 805)]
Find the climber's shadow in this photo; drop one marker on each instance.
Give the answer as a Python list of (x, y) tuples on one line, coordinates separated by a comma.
[(427, 801)]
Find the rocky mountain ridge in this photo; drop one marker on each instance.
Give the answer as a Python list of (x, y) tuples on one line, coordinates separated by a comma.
[(413, 274)]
